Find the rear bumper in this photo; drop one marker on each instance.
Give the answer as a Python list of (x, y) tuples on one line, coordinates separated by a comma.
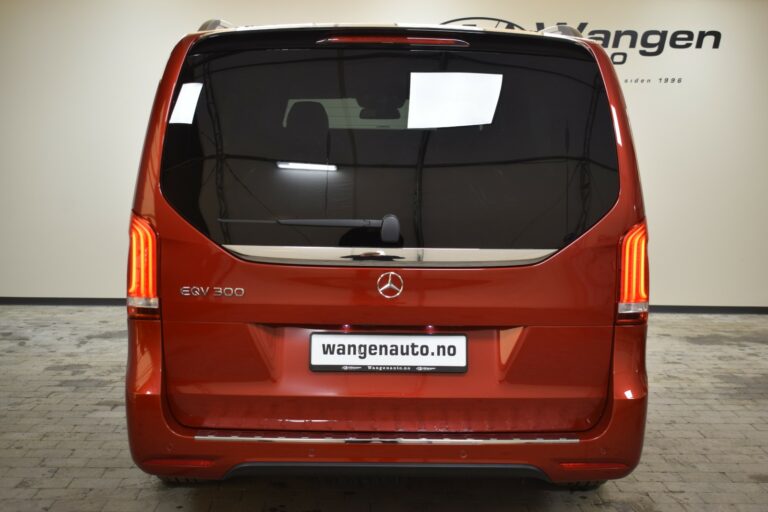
[(160, 446)]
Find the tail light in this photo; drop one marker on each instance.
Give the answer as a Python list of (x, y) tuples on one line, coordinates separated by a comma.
[(142, 270), (381, 39), (633, 292)]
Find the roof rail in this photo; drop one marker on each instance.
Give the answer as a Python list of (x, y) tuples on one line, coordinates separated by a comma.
[(214, 25), (562, 30)]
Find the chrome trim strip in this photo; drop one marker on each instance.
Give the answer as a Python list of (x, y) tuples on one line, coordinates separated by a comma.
[(406, 256), (379, 440)]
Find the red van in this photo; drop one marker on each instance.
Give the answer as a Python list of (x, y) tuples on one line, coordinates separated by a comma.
[(387, 247)]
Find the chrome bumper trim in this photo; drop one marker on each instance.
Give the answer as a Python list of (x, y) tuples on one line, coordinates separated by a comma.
[(405, 256), (384, 440)]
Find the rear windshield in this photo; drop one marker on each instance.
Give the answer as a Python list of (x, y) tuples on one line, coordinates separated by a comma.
[(294, 149)]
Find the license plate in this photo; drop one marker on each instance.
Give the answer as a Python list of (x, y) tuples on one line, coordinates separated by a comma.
[(338, 352)]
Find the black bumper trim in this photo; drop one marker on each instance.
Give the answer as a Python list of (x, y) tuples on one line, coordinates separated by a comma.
[(320, 469)]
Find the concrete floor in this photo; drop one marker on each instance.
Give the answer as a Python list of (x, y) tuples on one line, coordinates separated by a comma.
[(63, 444)]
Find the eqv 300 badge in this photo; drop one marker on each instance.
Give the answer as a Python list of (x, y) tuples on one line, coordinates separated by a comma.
[(212, 291)]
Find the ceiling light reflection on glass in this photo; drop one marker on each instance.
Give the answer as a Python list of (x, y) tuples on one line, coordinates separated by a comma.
[(299, 166)]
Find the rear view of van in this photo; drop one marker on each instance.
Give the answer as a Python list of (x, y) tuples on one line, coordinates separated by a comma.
[(387, 247)]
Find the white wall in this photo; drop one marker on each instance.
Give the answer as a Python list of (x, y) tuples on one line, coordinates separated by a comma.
[(78, 79)]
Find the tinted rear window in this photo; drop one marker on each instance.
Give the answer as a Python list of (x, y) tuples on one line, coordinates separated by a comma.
[(260, 138)]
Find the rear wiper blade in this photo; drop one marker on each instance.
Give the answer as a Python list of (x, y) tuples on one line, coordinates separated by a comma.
[(389, 224)]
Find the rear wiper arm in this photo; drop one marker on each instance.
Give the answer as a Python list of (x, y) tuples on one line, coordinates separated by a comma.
[(389, 224)]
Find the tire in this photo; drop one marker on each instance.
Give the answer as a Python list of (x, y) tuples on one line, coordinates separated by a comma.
[(585, 485)]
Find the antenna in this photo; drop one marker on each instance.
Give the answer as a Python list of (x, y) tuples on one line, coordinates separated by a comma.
[(471, 22), (562, 30), (214, 24)]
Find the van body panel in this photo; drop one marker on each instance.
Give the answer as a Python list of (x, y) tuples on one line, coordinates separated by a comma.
[(212, 343), (259, 379)]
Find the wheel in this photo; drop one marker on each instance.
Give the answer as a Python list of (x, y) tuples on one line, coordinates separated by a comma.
[(585, 485)]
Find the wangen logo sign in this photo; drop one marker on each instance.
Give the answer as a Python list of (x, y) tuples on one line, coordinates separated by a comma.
[(648, 43)]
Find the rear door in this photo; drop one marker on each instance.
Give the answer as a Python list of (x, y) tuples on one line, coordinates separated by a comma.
[(324, 199)]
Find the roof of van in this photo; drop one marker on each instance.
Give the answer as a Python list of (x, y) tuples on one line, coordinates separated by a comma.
[(218, 26)]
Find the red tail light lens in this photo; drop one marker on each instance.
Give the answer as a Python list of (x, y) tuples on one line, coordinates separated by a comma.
[(142, 268), (633, 293)]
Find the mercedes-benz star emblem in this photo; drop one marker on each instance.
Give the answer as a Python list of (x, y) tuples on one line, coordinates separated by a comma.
[(390, 285)]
